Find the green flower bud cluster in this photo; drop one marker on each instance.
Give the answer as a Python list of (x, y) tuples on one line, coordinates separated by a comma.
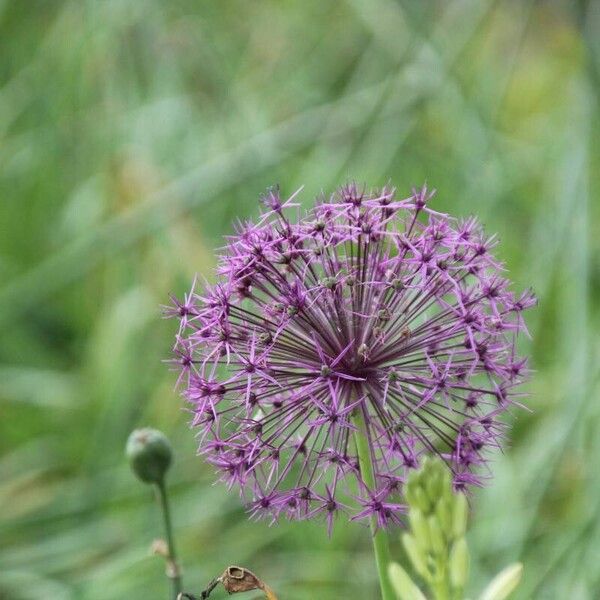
[(435, 543)]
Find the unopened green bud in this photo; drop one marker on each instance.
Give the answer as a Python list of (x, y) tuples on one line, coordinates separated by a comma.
[(410, 495), (425, 465), (329, 282), (436, 537), (433, 485), (446, 476), (504, 583), (419, 527), (460, 512), (416, 556), (150, 454), (422, 501), (443, 512), (403, 585), (414, 477), (415, 494), (459, 563)]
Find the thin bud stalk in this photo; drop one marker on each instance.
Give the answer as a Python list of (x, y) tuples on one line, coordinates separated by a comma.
[(173, 570)]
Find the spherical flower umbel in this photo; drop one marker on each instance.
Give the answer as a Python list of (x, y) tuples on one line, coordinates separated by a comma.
[(366, 309)]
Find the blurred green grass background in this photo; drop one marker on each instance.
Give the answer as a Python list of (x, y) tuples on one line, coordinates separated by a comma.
[(133, 133)]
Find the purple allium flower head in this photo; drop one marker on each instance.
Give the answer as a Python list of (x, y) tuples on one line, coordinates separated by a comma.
[(368, 305)]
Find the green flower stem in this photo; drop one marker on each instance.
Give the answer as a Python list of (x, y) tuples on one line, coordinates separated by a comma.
[(173, 570), (381, 544)]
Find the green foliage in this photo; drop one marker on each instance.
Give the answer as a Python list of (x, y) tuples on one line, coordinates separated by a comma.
[(132, 134)]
